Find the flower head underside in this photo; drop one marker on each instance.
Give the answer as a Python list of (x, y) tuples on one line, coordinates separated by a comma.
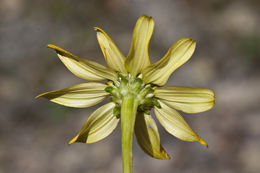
[(135, 88)]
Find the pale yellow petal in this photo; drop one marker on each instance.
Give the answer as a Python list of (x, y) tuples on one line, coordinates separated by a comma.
[(147, 136), (113, 56), (79, 96), (138, 57), (178, 54), (174, 123), (186, 99), (190, 107), (99, 125), (83, 68)]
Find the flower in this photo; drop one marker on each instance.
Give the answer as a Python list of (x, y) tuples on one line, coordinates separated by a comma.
[(135, 87)]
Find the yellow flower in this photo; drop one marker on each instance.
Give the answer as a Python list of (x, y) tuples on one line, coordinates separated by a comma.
[(135, 87)]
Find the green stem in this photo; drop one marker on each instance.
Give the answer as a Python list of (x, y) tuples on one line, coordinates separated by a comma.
[(128, 115)]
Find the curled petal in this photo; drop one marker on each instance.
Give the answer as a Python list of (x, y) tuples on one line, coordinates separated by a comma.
[(186, 99), (174, 123), (138, 57), (147, 136), (178, 54), (79, 96), (99, 125), (113, 56), (83, 68)]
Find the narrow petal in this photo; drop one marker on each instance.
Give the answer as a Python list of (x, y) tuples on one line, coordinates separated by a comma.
[(83, 68), (178, 54), (113, 56), (174, 123), (138, 57), (148, 138), (186, 99), (79, 96), (99, 125)]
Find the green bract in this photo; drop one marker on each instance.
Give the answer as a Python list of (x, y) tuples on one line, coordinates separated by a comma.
[(135, 87)]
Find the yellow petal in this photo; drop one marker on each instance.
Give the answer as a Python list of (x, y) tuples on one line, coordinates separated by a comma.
[(138, 57), (99, 125), (83, 68), (174, 123), (186, 99), (178, 54), (79, 96), (147, 136), (113, 56)]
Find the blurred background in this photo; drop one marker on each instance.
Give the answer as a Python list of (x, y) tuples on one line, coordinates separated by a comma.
[(34, 133)]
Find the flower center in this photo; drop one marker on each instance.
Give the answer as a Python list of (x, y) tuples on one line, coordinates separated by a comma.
[(128, 85)]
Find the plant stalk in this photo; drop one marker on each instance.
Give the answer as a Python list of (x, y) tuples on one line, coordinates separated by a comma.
[(128, 114)]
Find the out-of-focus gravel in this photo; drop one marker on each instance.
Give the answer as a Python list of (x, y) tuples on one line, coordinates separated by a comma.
[(34, 133)]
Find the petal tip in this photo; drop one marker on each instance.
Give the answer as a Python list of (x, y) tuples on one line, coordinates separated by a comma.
[(73, 140), (167, 157), (211, 92), (202, 142), (146, 16), (51, 46), (97, 29), (187, 40), (40, 95), (194, 43), (56, 48)]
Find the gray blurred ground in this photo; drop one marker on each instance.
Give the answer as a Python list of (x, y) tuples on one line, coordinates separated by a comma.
[(34, 133)]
